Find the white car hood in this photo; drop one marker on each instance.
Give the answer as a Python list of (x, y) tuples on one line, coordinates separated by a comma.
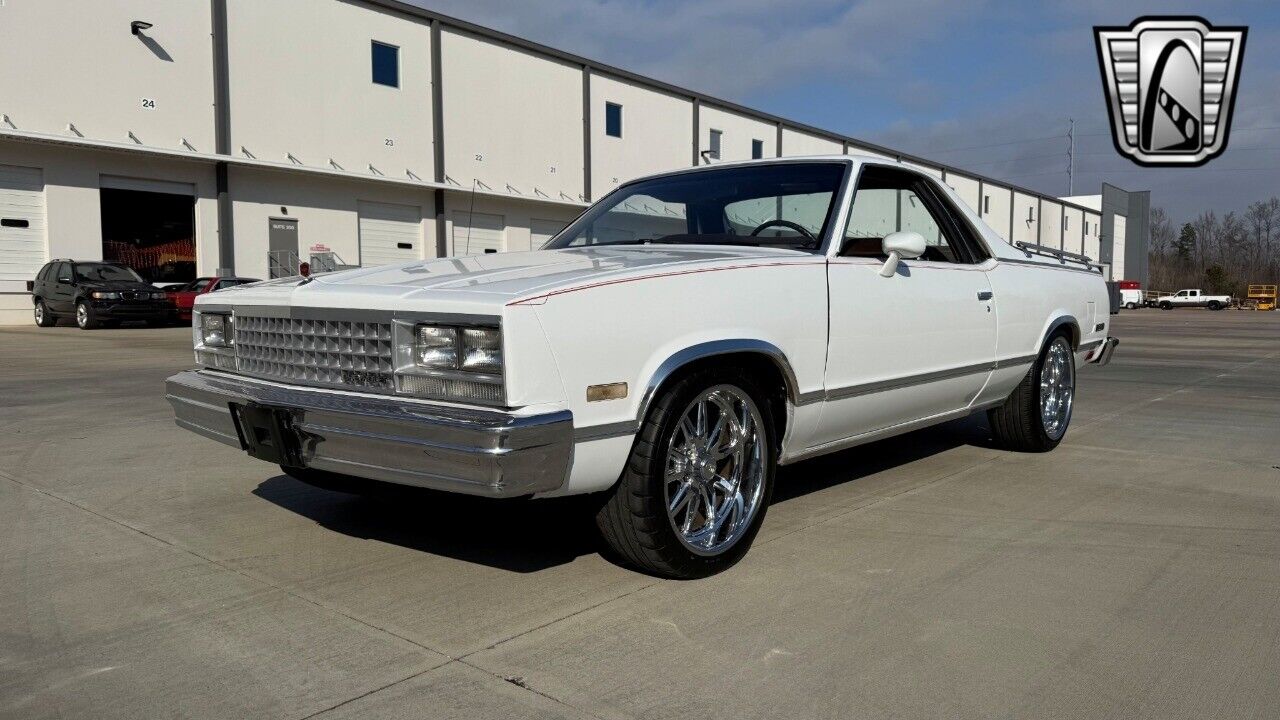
[(485, 283)]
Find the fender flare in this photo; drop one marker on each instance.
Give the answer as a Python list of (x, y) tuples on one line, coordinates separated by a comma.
[(704, 350), (1068, 321)]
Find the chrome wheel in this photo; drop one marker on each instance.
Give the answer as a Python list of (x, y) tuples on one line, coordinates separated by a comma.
[(82, 315), (716, 464), (40, 313), (1057, 388)]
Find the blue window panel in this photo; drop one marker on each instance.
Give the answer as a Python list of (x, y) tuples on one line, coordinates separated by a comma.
[(386, 64), (613, 120)]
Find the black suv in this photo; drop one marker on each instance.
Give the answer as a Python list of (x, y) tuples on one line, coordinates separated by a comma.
[(95, 294)]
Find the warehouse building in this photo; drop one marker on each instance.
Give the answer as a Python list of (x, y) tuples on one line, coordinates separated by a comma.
[(189, 137)]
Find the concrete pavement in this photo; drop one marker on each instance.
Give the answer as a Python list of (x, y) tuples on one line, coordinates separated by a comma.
[(146, 572)]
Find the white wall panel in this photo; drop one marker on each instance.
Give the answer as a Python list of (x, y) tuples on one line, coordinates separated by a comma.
[(1072, 227), (301, 84), (855, 150), (1092, 227), (737, 133), (511, 118), (77, 62), (965, 187), (1026, 219), (997, 208), (796, 143), (657, 133), (1051, 224), (935, 172)]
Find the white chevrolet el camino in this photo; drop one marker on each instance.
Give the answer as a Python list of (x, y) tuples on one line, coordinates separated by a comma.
[(668, 350)]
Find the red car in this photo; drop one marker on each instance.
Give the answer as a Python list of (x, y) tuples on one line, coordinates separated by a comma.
[(182, 297)]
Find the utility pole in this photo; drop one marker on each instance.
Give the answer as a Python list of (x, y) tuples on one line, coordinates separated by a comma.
[(1071, 156)]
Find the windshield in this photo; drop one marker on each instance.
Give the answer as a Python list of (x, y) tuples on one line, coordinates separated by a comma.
[(783, 205), (98, 272)]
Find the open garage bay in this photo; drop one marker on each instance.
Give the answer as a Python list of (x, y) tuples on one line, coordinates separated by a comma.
[(1134, 572)]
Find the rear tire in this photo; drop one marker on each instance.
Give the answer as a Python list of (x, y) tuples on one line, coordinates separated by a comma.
[(1215, 305), (43, 317), (85, 318), (1131, 306), (709, 435), (1023, 422)]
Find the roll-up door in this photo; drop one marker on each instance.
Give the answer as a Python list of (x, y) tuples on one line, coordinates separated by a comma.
[(389, 233), (478, 233), (22, 241)]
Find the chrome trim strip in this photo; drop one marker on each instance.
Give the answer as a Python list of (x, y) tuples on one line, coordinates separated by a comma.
[(392, 439), (605, 432), (881, 433), (1015, 361), (808, 398), (907, 381)]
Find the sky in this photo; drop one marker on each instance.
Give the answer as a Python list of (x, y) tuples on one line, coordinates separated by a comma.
[(983, 85)]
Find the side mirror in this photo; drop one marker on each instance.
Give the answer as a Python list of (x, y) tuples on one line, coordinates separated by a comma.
[(903, 244)]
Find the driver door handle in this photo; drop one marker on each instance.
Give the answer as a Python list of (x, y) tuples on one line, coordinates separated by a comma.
[(985, 294)]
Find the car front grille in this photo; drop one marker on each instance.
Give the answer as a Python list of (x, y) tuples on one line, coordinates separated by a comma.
[(355, 355)]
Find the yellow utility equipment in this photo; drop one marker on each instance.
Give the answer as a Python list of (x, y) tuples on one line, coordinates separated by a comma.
[(1263, 296)]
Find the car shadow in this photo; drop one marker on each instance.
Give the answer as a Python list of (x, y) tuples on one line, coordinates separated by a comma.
[(526, 536)]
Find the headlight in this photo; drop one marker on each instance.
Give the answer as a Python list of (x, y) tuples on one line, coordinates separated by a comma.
[(482, 350), (216, 330), (435, 346), (158, 296), (450, 362), (100, 295)]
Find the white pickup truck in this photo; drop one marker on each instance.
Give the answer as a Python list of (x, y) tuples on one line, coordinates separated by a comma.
[(1193, 298)]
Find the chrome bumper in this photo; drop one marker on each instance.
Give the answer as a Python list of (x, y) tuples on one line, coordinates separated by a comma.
[(474, 451), (1104, 353)]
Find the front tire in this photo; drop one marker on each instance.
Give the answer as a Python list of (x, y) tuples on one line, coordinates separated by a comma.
[(1166, 305), (43, 317), (699, 479), (85, 318), (1035, 417)]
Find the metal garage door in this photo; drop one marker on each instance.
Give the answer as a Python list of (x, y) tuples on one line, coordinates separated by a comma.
[(477, 233), (22, 243), (541, 231), (389, 233)]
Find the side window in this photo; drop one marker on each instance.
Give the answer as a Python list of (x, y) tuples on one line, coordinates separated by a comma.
[(44, 272), (1182, 293), (201, 285), (889, 200), (61, 271)]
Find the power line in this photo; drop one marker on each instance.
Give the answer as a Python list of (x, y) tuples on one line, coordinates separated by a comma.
[(1001, 144)]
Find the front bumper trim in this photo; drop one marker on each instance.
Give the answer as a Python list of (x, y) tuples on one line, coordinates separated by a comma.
[(469, 450)]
